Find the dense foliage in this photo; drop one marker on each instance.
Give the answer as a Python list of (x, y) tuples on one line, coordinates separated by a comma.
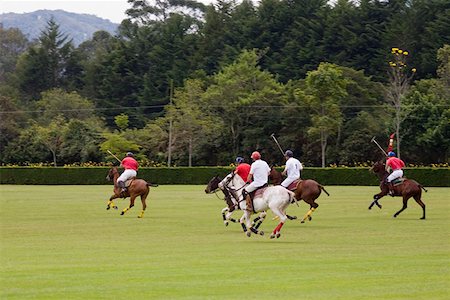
[(186, 84)]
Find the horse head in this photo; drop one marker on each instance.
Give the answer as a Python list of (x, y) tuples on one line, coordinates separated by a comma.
[(113, 171), (213, 184), (378, 167), (275, 176)]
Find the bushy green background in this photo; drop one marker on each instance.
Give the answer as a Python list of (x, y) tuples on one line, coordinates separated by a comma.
[(201, 175), (59, 242)]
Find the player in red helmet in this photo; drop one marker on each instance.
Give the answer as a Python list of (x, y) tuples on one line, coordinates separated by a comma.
[(396, 164), (259, 172)]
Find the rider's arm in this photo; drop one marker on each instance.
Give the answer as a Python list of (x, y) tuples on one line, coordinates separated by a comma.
[(249, 177)]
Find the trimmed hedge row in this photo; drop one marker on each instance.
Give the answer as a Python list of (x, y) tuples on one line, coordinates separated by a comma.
[(201, 175)]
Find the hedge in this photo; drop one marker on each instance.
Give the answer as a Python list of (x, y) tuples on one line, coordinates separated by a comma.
[(201, 175)]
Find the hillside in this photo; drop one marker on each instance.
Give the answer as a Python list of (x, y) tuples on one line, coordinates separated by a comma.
[(79, 27)]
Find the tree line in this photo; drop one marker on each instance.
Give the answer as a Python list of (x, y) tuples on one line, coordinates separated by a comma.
[(182, 83)]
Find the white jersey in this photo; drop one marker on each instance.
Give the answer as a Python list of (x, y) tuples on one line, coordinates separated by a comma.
[(260, 171), (293, 168)]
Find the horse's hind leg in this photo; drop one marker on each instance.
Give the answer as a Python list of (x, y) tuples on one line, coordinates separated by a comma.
[(132, 198), (313, 207), (405, 205), (419, 201)]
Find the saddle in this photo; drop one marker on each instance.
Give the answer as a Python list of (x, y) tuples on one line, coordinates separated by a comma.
[(398, 181), (293, 186)]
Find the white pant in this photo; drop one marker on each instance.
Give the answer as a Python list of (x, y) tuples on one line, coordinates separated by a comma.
[(252, 187), (127, 174), (395, 174), (288, 181)]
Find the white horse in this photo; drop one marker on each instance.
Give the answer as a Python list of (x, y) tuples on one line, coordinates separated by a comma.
[(275, 198), (232, 187)]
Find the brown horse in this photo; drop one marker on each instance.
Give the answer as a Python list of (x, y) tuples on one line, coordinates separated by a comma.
[(409, 188), (307, 190), (137, 187)]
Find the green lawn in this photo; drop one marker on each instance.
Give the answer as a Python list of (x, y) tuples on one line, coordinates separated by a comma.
[(59, 242)]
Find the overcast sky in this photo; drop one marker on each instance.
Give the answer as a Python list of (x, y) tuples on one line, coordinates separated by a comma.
[(113, 10)]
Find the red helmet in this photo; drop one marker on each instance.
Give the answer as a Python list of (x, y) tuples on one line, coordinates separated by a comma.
[(256, 155)]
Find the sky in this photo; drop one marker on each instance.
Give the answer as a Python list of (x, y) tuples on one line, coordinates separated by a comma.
[(113, 10)]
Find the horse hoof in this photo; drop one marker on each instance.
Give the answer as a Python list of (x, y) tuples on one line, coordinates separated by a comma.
[(108, 207), (261, 232), (122, 213), (272, 236), (226, 223), (278, 235), (302, 221), (249, 234)]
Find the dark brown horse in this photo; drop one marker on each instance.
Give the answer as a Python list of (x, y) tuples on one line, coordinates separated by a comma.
[(307, 190), (137, 187), (409, 188)]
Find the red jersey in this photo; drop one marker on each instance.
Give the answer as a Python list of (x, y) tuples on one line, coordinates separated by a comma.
[(129, 163), (395, 163), (243, 170)]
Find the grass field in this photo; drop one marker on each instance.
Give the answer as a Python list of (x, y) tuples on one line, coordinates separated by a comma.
[(59, 242)]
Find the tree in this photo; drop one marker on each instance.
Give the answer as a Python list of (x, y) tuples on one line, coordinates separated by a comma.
[(326, 88), (51, 136), (400, 75), (193, 126), (243, 95), (47, 65), (12, 44)]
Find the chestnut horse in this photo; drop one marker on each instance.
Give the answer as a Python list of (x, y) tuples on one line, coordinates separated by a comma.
[(137, 187), (409, 188), (307, 190)]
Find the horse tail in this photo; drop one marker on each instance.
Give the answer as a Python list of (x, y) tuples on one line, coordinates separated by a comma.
[(152, 184), (323, 189), (423, 188)]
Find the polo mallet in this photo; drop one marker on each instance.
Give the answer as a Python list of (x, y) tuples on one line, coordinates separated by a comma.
[(114, 156), (376, 143), (375, 201), (278, 144)]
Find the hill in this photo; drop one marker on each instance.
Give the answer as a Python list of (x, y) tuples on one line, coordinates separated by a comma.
[(79, 27)]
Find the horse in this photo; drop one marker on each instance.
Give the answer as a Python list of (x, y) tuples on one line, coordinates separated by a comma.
[(137, 187), (407, 189), (233, 198), (307, 190), (275, 198)]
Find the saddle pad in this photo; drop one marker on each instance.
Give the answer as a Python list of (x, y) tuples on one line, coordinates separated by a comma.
[(293, 185), (259, 192)]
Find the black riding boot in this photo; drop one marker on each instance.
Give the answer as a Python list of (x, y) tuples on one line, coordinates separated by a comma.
[(121, 184)]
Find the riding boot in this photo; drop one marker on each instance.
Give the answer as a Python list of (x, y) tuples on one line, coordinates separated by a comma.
[(121, 184), (391, 189), (249, 203)]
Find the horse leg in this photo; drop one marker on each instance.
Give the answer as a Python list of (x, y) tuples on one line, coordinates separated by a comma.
[(405, 205), (375, 200), (132, 198), (313, 207), (243, 221), (110, 203), (276, 232), (226, 216), (419, 201), (259, 220), (144, 204)]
